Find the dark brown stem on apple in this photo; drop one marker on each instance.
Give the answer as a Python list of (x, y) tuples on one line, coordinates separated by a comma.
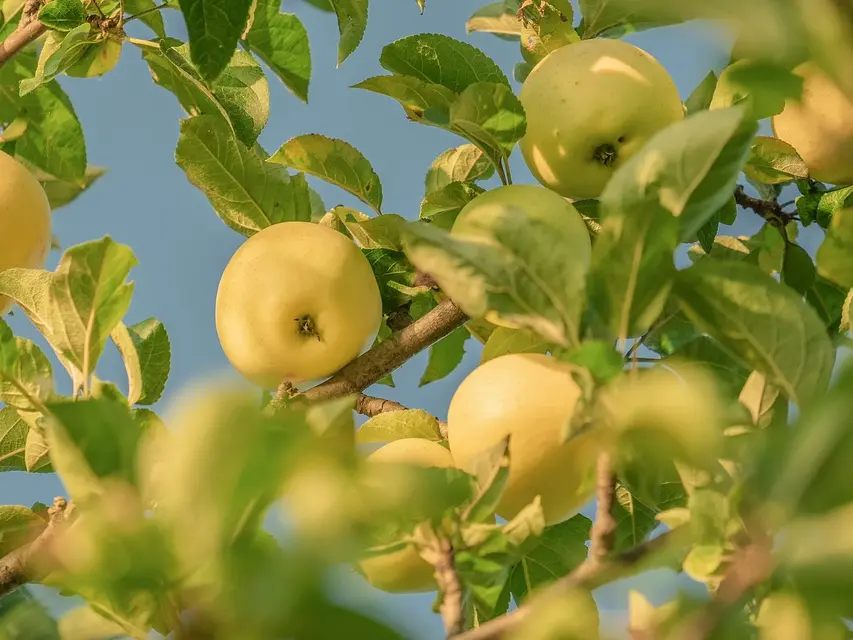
[(606, 154), (307, 327)]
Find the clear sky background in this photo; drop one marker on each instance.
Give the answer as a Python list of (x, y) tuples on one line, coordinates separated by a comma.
[(145, 201)]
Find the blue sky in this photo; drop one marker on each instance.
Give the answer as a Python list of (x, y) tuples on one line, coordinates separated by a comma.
[(145, 201)]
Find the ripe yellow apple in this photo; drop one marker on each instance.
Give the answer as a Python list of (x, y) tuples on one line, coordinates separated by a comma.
[(296, 302), (591, 106), (476, 221), (24, 220), (405, 571), (820, 127), (531, 398)]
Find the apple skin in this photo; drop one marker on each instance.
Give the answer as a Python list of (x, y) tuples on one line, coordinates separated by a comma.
[(531, 398), (297, 302), (405, 571), (24, 220), (820, 127), (590, 107)]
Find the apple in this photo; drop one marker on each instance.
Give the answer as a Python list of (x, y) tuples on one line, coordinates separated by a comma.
[(405, 571), (820, 127), (591, 106), (24, 220), (477, 218), (296, 302), (531, 398)]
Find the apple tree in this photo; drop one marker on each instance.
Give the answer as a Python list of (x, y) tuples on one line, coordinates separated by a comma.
[(693, 385)]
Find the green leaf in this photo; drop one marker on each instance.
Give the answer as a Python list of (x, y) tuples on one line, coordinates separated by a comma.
[(440, 207), (352, 22), (599, 358), (465, 163), (494, 18), (246, 192), (773, 161), (63, 192), (700, 97), (487, 114), (17, 524), (708, 232), (835, 255), (85, 623), (827, 299), (757, 319), (445, 355), (491, 470), (89, 296), (397, 425), (26, 376), (36, 453), (334, 161), (413, 94), (91, 440), (240, 94), (821, 207), (62, 15), (504, 341), (22, 617), (602, 17), (214, 28), (13, 440), (394, 275), (381, 232), (439, 59), (634, 520), (57, 56), (561, 548), (53, 141), (153, 19), (147, 356), (798, 270), (280, 40), (546, 28), (512, 275)]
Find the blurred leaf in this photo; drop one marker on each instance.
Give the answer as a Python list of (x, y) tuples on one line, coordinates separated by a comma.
[(634, 520), (153, 19), (333, 621), (442, 206), (58, 54), (147, 356), (62, 15), (84, 623), (671, 331), (26, 376), (396, 425), (773, 161), (334, 161), (729, 371), (445, 355), (599, 358), (756, 319), (465, 163), (439, 59), (503, 341), (240, 94), (761, 86), (62, 192), (759, 398), (214, 28), (560, 548), (835, 255), (491, 469), (280, 40), (89, 296), (13, 438), (821, 207), (494, 18), (798, 270), (53, 141), (700, 98), (18, 525), (827, 299), (23, 617), (246, 192), (352, 22)]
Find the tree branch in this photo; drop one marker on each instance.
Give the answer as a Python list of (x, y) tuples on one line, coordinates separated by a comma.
[(451, 588), (370, 407), (770, 210), (589, 575), (20, 38), (25, 563), (384, 357), (604, 528)]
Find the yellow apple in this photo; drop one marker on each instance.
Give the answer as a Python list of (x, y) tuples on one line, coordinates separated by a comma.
[(591, 106), (820, 127), (531, 398), (404, 571), (476, 221), (296, 302), (24, 220)]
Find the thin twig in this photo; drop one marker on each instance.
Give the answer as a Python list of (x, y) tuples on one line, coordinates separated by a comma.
[(370, 407), (386, 356), (146, 12), (770, 210), (604, 528)]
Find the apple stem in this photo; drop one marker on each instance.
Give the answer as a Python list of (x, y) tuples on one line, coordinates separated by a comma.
[(606, 154), (307, 326)]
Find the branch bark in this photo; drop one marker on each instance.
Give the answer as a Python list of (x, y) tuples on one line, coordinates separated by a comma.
[(28, 30), (770, 210), (604, 528), (386, 356), (451, 608), (589, 575), (25, 563)]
